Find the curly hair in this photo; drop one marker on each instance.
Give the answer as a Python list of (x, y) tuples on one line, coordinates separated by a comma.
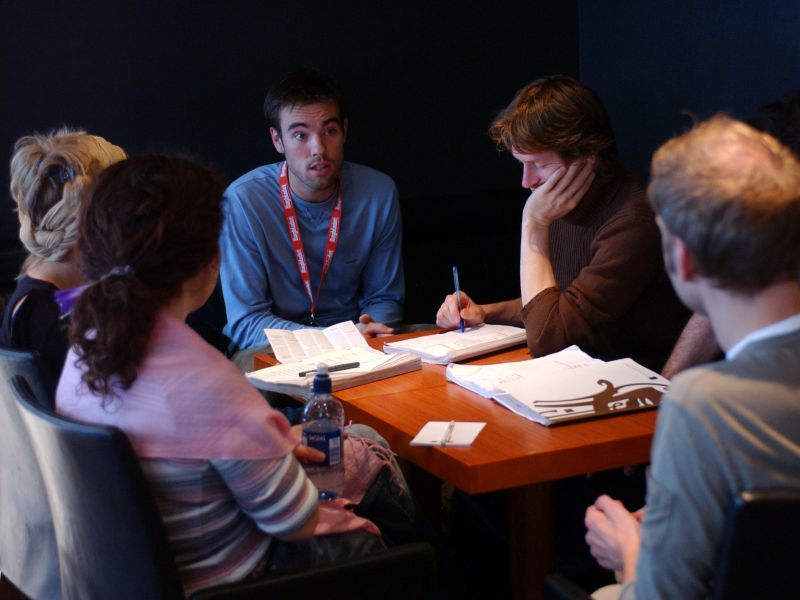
[(50, 176), (152, 223)]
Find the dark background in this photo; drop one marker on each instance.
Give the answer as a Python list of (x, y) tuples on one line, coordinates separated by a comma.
[(656, 63), (424, 80)]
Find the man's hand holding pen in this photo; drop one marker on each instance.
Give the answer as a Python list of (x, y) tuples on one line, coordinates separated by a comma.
[(449, 316)]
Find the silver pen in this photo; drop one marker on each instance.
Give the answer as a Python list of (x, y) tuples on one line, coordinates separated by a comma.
[(448, 434)]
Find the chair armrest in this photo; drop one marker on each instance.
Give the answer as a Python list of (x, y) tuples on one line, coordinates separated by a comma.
[(404, 572)]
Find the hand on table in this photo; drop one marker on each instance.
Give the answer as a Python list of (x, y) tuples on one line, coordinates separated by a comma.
[(370, 328), (448, 316), (562, 192), (613, 535)]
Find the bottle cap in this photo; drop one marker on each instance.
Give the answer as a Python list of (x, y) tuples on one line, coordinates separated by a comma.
[(322, 381)]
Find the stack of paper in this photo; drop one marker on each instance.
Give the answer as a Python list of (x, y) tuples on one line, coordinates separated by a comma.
[(564, 386), (443, 348), (302, 350), (487, 380)]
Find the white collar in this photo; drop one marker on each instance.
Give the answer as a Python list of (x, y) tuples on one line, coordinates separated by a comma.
[(783, 327)]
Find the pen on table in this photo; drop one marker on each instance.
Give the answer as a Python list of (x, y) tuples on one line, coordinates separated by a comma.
[(448, 434), (332, 369), (458, 297)]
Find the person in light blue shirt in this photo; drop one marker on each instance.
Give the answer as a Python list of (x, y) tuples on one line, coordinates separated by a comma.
[(359, 275)]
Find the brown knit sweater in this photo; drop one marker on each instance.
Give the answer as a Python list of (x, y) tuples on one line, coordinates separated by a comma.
[(613, 297)]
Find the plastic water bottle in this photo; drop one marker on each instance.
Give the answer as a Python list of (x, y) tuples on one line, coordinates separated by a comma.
[(323, 423)]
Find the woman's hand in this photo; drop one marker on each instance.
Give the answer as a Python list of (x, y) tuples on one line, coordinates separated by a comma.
[(302, 452)]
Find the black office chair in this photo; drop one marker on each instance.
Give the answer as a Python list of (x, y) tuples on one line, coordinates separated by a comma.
[(757, 556), (28, 553), (112, 542), (399, 573)]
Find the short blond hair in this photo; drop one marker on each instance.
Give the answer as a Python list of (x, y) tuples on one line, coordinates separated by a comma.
[(50, 176), (732, 194)]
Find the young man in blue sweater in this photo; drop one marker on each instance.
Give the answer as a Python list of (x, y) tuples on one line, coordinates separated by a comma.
[(313, 240)]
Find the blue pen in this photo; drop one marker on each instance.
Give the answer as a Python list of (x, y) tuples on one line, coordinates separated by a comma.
[(458, 297)]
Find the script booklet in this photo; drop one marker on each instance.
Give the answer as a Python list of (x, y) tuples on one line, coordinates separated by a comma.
[(300, 352), (452, 346), (300, 344), (564, 386), (488, 380)]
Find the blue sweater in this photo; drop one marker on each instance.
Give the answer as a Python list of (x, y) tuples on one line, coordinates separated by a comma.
[(260, 280)]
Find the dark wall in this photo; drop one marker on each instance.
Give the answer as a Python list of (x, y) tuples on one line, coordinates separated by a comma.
[(653, 61), (424, 79)]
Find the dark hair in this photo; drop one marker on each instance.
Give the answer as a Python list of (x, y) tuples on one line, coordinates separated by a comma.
[(732, 194), (151, 224), (781, 119), (560, 114), (301, 87)]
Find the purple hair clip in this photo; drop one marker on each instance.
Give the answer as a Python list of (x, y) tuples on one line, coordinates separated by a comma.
[(66, 298)]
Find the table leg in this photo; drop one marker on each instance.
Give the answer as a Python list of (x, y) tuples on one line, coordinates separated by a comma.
[(531, 527), (427, 492)]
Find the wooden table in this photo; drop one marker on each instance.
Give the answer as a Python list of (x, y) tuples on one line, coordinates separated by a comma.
[(511, 453)]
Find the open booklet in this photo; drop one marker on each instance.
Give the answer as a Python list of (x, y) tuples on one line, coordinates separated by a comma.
[(452, 346), (295, 345), (300, 351), (564, 386)]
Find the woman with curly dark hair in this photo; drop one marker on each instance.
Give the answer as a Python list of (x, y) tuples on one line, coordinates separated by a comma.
[(222, 463)]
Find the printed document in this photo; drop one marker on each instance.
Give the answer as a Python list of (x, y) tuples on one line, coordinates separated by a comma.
[(487, 380), (452, 346), (342, 344), (292, 346), (564, 386)]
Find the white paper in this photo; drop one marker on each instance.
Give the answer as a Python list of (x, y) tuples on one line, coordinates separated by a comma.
[(373, 365), (292, 346), (435, 432), (487, 380), (368, 360), (443, 348), (588, 390)]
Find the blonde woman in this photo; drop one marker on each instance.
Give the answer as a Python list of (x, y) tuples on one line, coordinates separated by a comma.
[(50, 177)]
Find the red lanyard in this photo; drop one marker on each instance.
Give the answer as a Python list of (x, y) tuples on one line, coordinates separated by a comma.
[(297, 241)]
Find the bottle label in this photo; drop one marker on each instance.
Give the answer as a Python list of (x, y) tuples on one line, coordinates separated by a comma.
[(329, 442)]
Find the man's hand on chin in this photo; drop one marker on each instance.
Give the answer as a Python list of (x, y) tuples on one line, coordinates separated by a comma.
[(370, 328)]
